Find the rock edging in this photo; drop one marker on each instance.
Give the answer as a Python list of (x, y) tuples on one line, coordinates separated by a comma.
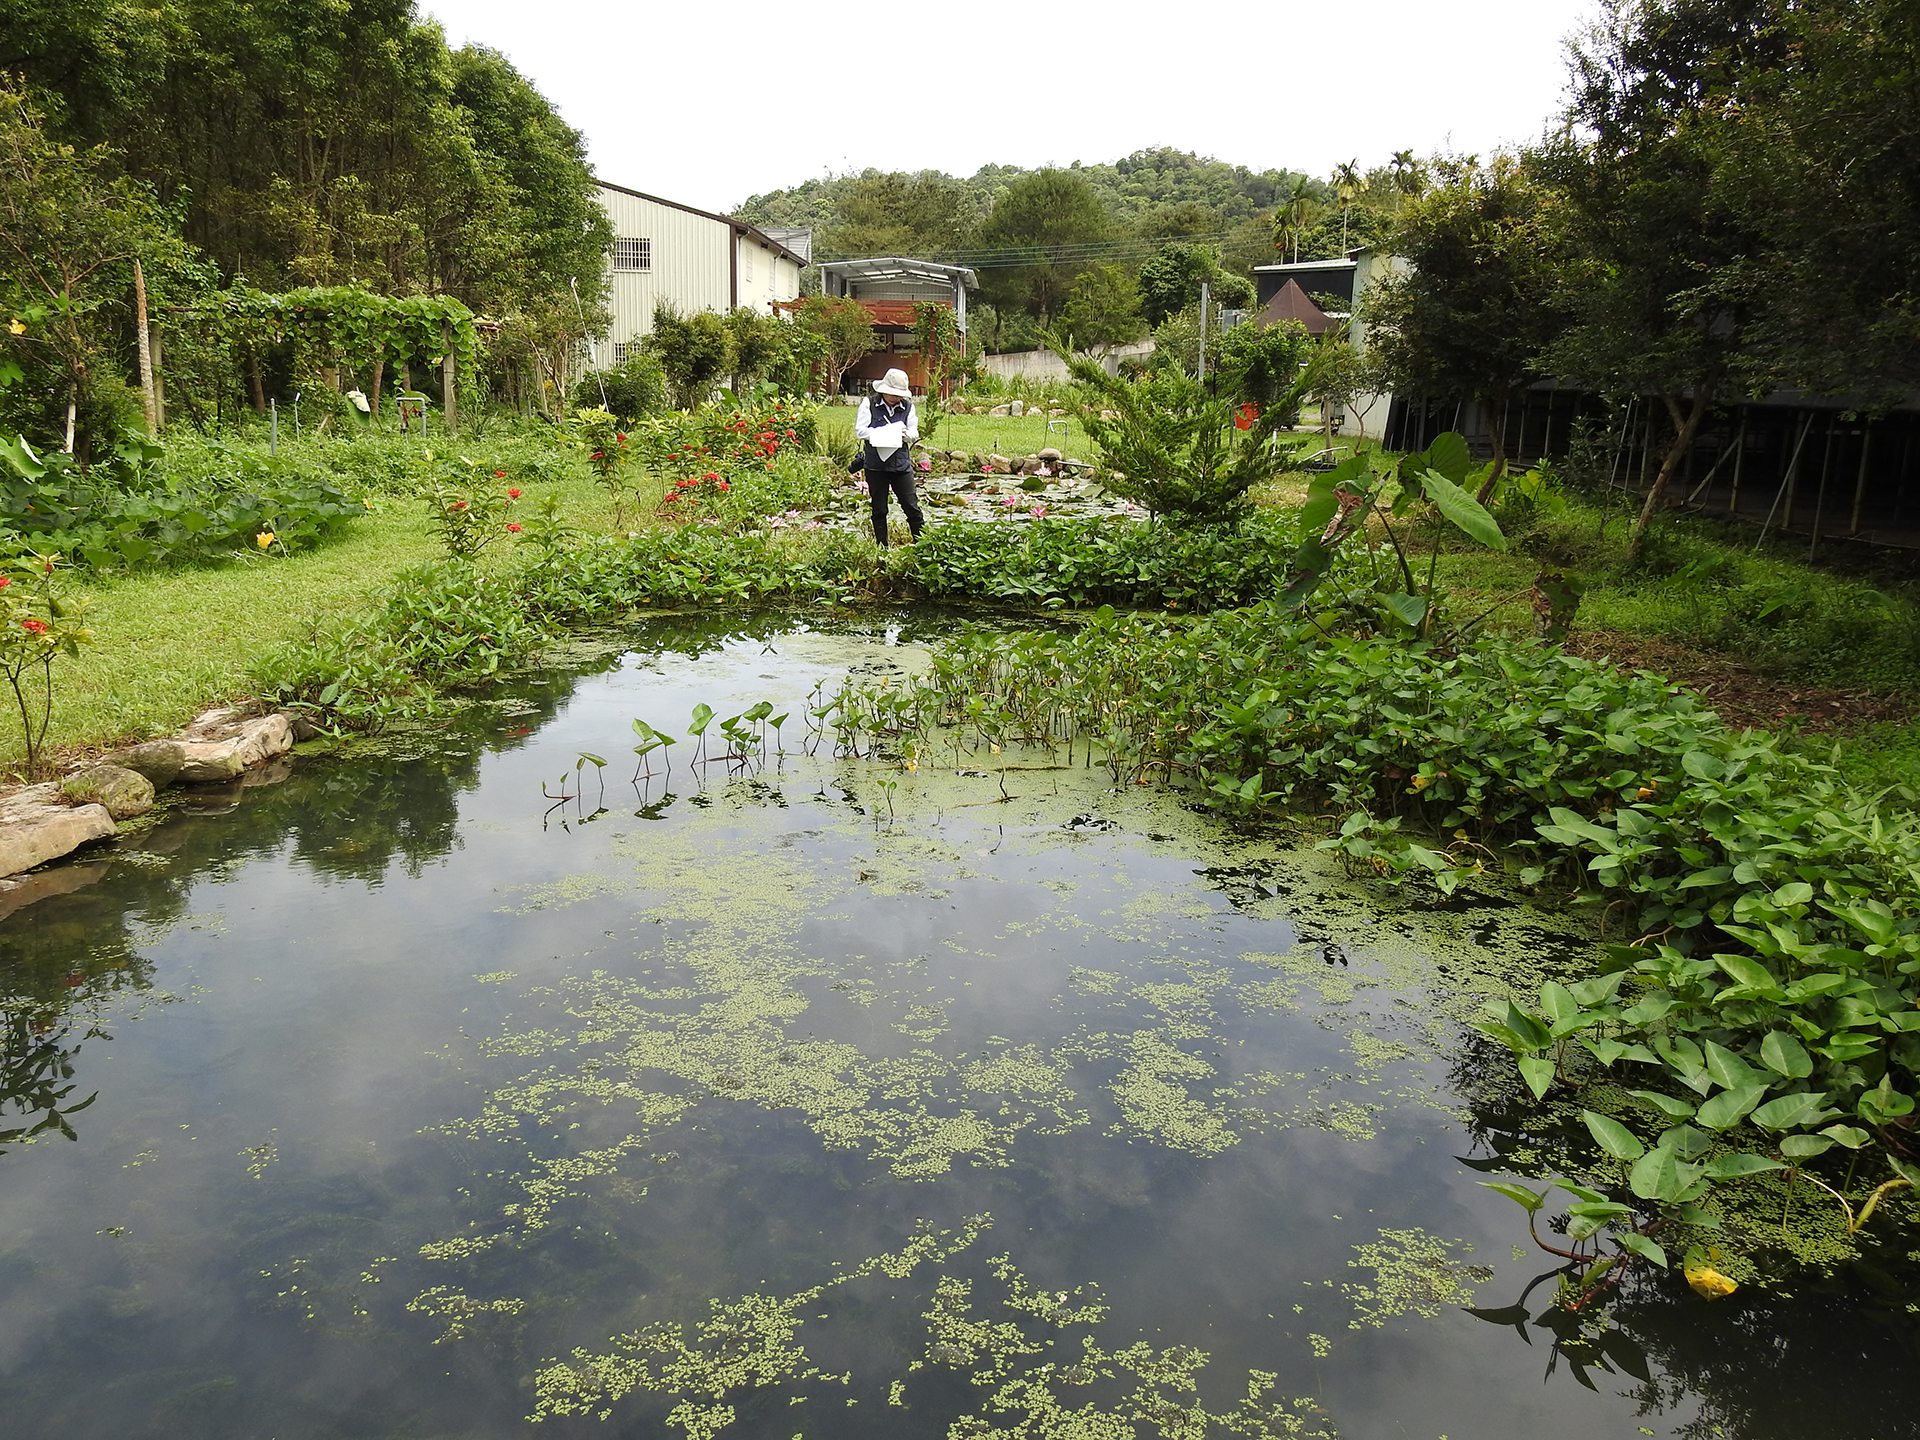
[(42, 822)]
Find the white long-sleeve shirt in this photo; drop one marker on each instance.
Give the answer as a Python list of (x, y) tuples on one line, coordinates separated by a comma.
[(882, 435)]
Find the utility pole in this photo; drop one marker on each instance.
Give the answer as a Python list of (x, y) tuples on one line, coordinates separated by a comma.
[(1202, 367)]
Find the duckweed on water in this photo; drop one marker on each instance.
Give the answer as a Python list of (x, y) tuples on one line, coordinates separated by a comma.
[(999, 1345)]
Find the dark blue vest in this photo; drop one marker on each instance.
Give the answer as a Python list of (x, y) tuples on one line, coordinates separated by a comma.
[(884, 410)]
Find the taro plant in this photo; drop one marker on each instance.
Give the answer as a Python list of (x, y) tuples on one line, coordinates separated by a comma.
[(38, 625)]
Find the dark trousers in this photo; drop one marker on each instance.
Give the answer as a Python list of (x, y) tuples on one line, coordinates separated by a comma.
[(881, 483)]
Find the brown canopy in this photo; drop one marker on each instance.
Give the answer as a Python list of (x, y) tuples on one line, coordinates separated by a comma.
[(1290, 302)]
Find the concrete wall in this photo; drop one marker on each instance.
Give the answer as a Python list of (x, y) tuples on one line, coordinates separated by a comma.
[(1368, 414), (1045, 365)]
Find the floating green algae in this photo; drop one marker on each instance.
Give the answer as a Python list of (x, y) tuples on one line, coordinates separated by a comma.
[(1031, 1358)]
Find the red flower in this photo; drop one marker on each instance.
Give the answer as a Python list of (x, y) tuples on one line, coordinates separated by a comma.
[(38, 627), (597, 455), (789, 435), (458, 505), (725, 486), (1244, 417), (499, 474), (4, 581), (513, 529), (620, 437), (709, 476), (513, 494)]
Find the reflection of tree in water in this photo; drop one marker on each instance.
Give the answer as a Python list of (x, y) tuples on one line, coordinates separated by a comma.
[(62, 962)]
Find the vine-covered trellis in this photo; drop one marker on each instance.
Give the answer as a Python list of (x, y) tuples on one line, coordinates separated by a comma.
[(336, 327)]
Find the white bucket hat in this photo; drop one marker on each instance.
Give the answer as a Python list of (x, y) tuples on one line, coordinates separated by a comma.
[(894, 382)]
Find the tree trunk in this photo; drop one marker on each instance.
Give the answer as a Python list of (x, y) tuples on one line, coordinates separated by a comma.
[(259, 388), (449, 404), (379, 378), (1685, 426), (148, 402), (1497, 406)]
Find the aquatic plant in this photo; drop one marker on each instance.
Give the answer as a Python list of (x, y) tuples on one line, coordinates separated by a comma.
[(1778, 914)]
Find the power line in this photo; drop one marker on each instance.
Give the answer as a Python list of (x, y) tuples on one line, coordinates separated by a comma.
[(1087, 252)]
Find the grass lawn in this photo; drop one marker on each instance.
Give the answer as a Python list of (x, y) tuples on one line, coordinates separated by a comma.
[(1009, 435), (169, 643)]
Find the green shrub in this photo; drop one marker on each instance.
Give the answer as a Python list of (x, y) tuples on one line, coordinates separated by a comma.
[(632, 390), (141, 508), (1105, 561)]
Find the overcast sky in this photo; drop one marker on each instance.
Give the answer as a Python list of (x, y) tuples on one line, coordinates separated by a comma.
[(710, 103)]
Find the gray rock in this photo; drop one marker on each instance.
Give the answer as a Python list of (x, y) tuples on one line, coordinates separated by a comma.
[(124, 792), (1002, 410), (158, 760), (35, 827), (1016, 407), (234, 747), (1049, 454)]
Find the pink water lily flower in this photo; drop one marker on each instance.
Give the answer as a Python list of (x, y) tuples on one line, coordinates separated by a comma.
[(1037, 511)]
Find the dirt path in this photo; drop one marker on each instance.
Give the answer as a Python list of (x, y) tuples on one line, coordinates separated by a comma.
[(1742, 697)]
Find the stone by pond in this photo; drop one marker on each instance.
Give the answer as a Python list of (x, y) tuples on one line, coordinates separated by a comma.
[(811, 1096)]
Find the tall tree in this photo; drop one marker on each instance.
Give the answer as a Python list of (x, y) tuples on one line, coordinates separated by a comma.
[(1044, 226), (1103, 309), (1824, 162), (896, 214), (1171, 278), (1479, 300), (1656, 307), (70, 229)]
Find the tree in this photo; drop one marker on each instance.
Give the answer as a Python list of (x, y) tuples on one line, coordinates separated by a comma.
[(1293, 214), (1103, 309), (844, 330), (1823, 163), (1653, 284), (1043, 227), (924, 214), (70, 228), (1479, 300), (1183, 449), (694, 350), (1171, 278)]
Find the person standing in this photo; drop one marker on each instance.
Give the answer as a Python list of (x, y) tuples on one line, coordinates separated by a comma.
[(886, 428)]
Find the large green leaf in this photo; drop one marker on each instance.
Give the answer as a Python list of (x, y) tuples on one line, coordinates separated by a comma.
[(1733, 1167), (1662, 1175), (1528, 1200), (1449, 455), (1730, 1107), (1614, 1138), (1462, 510), (1790, 1111), (1642, 1246), (1786, 1055)]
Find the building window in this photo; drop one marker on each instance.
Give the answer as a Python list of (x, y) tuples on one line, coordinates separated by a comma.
[(746, 258), (622, 349), (632, 254)]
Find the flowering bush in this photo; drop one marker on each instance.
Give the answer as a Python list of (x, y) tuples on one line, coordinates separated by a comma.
[(467, 505), (37, 627)]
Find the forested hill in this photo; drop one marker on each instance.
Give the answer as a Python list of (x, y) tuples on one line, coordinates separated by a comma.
[(1154, 194), (321, 144)]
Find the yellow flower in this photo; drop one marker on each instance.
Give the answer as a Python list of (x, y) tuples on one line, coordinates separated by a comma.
[(17, 326), (263, 539)]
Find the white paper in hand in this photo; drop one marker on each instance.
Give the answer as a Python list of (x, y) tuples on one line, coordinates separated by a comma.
[(888, 438)]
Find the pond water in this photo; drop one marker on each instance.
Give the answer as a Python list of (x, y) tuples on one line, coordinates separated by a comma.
[(769, 1101)]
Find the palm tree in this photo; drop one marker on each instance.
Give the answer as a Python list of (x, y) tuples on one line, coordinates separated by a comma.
[(1296, 205), (1347, 187)]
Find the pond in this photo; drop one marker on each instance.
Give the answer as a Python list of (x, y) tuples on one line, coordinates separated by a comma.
[(801, 1096)]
